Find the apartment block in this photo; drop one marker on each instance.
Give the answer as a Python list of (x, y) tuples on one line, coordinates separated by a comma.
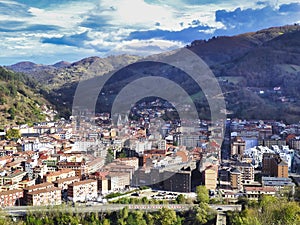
[(48, 196), (131, 161), (238, 146), (177, 181), (65, 182), (235, 179), (82, 190), (80, 168), (247, 171), (274, 166), (11, 198), (210, 176), (104, 185), (119, 180), (57, 175), (27, 190), (13, 178)]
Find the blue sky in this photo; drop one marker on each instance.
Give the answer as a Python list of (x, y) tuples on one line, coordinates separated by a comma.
[(48, 31)]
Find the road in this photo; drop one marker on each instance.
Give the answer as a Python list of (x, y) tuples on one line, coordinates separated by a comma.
[(221, 219), (224, 208), (22, 210)]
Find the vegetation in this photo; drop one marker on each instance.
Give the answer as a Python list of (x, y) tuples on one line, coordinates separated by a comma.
[(64, 216), (20, 101), (267, 211), (117, 194), (12, 134), (110, 156), (202, 194)]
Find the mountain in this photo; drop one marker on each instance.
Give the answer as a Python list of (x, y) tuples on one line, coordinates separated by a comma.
[(20, 100), (61, 73), (224, 49), (254, 69), (61, 64)]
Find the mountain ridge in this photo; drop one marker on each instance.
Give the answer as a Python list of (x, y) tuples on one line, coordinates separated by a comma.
[(246, 64)]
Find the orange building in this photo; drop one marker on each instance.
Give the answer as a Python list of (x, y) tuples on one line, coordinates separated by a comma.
[(210, 176), (57, 175)]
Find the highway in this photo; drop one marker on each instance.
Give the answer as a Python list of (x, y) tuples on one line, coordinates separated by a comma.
[(23, 210)]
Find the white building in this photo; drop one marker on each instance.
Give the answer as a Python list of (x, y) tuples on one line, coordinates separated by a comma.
[(83, 190)]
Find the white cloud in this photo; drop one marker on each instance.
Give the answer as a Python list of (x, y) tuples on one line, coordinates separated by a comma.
[(108, 25), (146, 47), (66, 16)]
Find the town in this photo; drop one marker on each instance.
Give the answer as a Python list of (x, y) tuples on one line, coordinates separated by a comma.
[(52, 163)]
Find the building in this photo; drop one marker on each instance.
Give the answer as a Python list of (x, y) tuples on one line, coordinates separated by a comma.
[(65, 182), (82, 191), (11, 198), (189, 140), (247, 171), (177, 181), (104, 185), (13, 178), (48, 196), (238, 146), (256, 192), (26, 183), (95, 165), (119, 168), (274, 166), (277, 182), (37, 187), (80, 168), (270, 142), (294, 143), (210, 176), (119, 180), (235, 178), (57, 175), (131, 161)]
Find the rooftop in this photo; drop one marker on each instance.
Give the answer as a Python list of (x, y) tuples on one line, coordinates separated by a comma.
[(66, 179), (39, 186), (44, 190), (83, 182)]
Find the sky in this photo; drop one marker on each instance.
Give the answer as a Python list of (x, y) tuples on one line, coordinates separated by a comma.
[(48, 31)]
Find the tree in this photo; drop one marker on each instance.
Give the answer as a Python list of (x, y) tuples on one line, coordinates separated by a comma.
[(149, 219), (12, 113), (201, 214), (271, 211), (287, 213), (145, 200), (138, 215), (180, 199), (12, 134), (124, 213), (166, 217), (106, 222), (202, 194), (110, 156), (122, 155), (244, 201)]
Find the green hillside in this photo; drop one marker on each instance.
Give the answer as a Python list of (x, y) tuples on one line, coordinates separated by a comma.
[(20, 101)]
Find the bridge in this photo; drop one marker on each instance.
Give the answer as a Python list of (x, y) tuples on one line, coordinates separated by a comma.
[(19, 211)]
